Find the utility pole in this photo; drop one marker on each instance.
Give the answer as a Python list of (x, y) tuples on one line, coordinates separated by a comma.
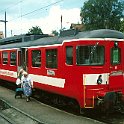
[(4, 23), (61, 22)]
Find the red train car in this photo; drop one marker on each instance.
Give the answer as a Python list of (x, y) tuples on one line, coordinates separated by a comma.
[(85, 66)]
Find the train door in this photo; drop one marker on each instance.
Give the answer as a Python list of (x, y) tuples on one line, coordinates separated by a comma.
[(22, 59), (116, 73)]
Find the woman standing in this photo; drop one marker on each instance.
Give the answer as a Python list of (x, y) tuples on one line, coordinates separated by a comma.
[(18, 81), (27, 85), (19, 90)]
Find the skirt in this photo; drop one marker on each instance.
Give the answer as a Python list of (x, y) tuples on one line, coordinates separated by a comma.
[(27, 91)]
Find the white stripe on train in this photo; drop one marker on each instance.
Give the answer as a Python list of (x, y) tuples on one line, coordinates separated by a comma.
[(57, 82)]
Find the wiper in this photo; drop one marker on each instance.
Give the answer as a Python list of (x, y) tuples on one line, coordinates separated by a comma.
[(94, 48), (92, 52)]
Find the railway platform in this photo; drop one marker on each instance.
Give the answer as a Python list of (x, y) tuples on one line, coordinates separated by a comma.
[(43, 113)]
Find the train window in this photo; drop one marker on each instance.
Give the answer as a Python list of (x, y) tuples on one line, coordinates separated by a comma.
[(51, 58), (36, 58), (115, 56), (13, 58), (90, 55), (69, 55), (5, 57)]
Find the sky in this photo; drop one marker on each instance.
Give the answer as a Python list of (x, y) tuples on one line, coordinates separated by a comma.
[(23, 14)]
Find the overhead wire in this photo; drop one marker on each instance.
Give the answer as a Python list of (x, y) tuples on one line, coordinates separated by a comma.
[(34, 11), (37, 10), (11, 6)]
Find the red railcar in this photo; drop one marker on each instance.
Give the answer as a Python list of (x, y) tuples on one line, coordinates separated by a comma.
[(87, 66)]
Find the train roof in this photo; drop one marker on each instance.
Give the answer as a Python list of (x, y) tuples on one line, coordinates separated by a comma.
[(41, 40)]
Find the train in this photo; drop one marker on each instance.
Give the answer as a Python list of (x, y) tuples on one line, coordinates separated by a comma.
[(87, 67)]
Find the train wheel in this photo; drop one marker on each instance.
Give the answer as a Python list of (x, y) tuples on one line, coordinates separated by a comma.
[(109, 102)]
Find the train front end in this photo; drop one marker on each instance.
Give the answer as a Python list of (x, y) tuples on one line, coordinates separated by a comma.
[(103, 80)]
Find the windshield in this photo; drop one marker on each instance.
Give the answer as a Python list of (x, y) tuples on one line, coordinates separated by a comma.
[(90, 55)]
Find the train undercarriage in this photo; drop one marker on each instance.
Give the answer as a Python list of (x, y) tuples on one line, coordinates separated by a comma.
[(112, 101)]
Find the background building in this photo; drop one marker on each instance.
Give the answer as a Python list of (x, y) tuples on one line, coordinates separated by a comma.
[(1, 35), (78, 27)]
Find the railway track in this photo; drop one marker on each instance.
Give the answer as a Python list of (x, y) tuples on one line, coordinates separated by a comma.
[(5, 120), (12, 115), (112, 118)]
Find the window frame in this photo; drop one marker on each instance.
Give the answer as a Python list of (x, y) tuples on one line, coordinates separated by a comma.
[(37, 64), (88, 63), (119, 55), (15, 59), (52, 58), (69, 56), (6, 61)]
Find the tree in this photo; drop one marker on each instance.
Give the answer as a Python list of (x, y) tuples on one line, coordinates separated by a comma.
[(35, 30), (122, 26), (55, 33), (98, 14)]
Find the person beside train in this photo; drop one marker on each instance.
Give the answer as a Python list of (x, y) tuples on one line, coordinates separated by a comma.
[(19, 76), (27, 85), (19, 90)]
